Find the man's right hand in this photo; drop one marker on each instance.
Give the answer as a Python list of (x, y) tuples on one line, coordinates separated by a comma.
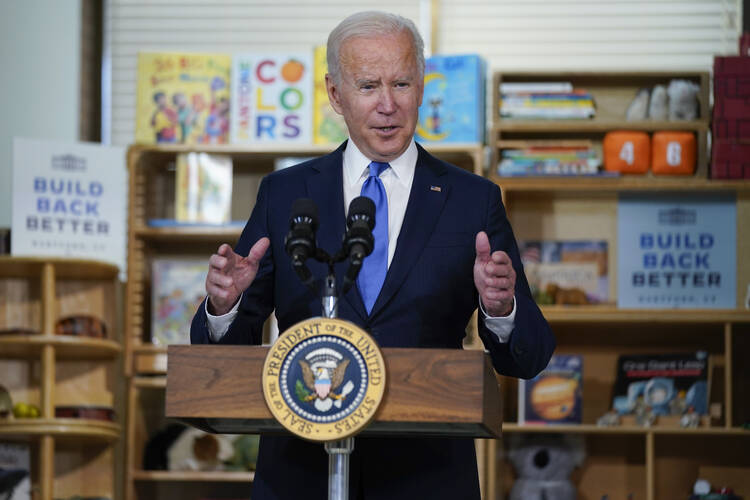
[(229, 274)]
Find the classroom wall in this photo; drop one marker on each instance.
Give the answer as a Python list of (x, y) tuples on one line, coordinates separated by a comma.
[(39, 61)]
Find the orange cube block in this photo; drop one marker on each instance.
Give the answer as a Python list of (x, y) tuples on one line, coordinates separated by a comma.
[(627, 152), (673, 153)]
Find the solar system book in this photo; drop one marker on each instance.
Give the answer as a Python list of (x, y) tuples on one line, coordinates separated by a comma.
[(555, 395)]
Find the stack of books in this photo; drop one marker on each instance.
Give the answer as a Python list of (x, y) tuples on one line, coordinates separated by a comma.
[(549, 159), (545, 100)]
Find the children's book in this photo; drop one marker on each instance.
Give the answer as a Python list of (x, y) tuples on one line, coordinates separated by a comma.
[(203, 191), (555, 395), (178, 286), (453, 105), (272, 98), (182, 98), (328, 126), (566, 272), (665, 384)]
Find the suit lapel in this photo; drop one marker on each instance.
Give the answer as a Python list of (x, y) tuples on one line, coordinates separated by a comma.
[(426, 200), (326, 189)]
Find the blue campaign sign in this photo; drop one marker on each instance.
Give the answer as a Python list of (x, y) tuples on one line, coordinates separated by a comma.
[(677, 251)]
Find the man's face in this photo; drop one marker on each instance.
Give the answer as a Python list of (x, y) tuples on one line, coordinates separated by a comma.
[(379, 93)]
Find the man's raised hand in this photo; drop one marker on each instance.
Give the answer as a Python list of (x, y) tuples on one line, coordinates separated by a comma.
[(494, 278), (229, 274)]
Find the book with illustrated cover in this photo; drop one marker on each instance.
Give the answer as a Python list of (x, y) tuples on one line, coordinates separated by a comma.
[(452, 109), (203, 191), (178, 286), (15, 471), (272, 98), (328, 126), (182, 98), (555, 395), (566, 272), (665, 384)]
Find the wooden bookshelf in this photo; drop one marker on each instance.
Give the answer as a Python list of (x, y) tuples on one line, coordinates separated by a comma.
[(661, 461), (152, 179), (47, 370)]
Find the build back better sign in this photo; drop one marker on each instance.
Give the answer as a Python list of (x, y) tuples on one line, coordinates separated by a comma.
[(677, 251), (69, 200)]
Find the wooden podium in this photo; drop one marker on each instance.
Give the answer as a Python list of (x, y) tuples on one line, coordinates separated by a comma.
[(437, 392)]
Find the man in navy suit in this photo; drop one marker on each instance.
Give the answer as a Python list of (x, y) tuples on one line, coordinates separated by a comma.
[(448, 248)]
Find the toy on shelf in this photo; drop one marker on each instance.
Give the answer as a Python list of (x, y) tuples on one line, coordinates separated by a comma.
[(543, 464)]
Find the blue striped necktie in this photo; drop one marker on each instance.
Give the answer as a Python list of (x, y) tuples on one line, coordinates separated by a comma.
[(375, 265)]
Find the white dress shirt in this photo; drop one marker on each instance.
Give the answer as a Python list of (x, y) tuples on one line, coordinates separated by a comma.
[(397, 181)]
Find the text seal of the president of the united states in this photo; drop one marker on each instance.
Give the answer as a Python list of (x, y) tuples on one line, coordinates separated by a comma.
[(323, 379)]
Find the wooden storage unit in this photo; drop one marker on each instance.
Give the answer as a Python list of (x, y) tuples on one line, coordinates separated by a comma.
[(152, 180), (612, 93), (660, 462), (70, 456)]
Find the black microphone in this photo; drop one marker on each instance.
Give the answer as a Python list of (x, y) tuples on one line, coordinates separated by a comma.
[(358, 240), (300, 241)]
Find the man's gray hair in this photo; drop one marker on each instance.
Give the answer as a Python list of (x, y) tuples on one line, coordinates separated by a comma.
[(369, 24)]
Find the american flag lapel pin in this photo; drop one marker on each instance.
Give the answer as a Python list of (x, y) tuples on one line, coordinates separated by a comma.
[(436, 188)]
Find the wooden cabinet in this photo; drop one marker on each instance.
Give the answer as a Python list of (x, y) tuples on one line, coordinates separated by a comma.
[(152, 180), (70, 456), (659, 462)]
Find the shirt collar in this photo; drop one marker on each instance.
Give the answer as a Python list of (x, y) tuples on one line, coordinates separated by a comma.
[(356, 163)]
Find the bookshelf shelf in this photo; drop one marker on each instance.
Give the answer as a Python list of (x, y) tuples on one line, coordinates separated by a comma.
[(154, 382), (611, 314), (194, 476), (593, 429), (187, 234), (596, 125), (79, 269), (586, 184), (66, 347), (61, 428)]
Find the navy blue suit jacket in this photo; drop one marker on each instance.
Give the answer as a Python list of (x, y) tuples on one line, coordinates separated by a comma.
[(426, 301)]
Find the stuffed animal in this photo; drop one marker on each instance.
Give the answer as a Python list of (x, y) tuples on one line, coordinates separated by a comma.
[(543, 464)]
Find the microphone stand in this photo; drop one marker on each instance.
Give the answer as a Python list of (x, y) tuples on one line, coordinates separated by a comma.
[(339, 451)]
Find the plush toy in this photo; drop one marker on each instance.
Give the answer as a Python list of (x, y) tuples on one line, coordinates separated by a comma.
[(543, 465)]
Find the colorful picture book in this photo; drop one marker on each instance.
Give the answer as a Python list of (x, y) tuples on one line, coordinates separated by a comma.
[(15, 471), (183, 98), (272, 98), (567, 272), (555, 395), (178, 286), (665, 384), (203, 190), (453, 105), (328, 126)]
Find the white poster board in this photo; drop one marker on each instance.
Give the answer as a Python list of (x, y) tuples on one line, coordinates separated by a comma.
[(677, 251), (69, 200)]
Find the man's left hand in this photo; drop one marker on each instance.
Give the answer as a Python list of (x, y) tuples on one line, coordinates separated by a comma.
[(494, 277)]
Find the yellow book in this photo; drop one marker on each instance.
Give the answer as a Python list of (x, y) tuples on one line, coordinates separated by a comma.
[(328, 126), (182, 98)]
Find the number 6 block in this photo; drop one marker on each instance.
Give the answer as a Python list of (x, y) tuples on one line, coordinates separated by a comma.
[(673, 153)]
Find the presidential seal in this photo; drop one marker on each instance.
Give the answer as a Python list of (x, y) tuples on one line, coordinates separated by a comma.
[(323, 379)]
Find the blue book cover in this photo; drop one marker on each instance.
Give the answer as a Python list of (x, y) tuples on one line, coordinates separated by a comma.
[(677, 251), (555, 396), (452, 109)]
